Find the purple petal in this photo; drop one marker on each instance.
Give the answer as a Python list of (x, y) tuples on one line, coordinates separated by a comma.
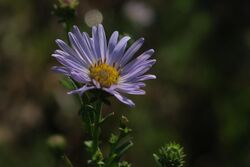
[(69, 63), (128, 86), (113, 41), (79, 49), (66, 49), (137, 66), (80, 77), (131, 51), (90, 44), (138, 70), (102, 41), (123, 99), (60, 69), (97, 84), (81, 90), (131, 91), (118, 50), (84, 42), (145, 77), (76, 59), (141, 59), (96, 44)]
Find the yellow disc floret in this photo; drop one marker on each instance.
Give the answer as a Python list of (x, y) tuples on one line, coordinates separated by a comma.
[(105, 74)]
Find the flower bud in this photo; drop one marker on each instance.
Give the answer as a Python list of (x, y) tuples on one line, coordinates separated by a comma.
[(68, 3), (57, 143), (171, 155), (124, 120), (124, 164)]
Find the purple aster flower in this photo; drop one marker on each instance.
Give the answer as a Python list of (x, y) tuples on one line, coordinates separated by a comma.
[(98, 64)]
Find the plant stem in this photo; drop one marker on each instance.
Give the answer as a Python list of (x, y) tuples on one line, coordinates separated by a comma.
[(96, 128), (67, 161)]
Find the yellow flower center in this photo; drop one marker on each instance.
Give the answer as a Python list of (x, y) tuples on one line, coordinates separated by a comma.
[(105, 74)]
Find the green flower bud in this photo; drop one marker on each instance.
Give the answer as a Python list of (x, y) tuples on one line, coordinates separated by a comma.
[(113, 139), (68, 3), (124, 120), (57, 143), (171, 155), (124, 164)]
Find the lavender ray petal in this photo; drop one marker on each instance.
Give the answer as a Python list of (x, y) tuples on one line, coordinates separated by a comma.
[(66, 49), (112, 43), (131, 91), (131, 51), (96, 44), (90, 44), (76, 59), (78, 48), (137, 72), (69, 63), (60, 69), (84, 42), (81, 90), (137, 65), (80, 77), (97, 84), (143, 57), (102, 41), (128, 86), (118, 50), (121, 98), (144, 77)]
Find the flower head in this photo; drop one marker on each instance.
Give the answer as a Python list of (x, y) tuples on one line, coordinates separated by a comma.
[(98, 64), (170, 155), (68, 3)]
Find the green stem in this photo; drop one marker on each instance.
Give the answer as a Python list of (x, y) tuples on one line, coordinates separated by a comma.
[(112, 154), (111, 157), (96, 127), (67, 161)]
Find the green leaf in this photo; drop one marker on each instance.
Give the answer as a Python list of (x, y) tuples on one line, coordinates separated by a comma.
[(107, 116), (68, 83), (120, 150)]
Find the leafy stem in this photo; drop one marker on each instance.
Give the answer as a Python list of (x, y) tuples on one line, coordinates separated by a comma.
[(119, 144)]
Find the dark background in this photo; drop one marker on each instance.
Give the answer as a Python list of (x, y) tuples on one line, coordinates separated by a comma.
[(200, 98)]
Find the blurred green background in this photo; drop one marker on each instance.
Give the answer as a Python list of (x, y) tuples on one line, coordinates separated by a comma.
[(200, 98)]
